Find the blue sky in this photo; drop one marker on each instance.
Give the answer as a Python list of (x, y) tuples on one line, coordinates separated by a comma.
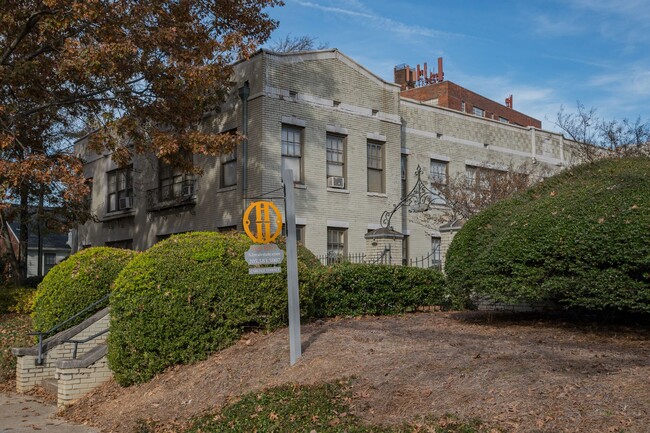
[(546, 53)]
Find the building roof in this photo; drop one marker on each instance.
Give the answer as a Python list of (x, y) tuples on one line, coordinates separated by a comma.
[(51, 240)]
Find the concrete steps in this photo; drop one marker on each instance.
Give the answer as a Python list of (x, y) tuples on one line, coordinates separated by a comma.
[(50, 386)]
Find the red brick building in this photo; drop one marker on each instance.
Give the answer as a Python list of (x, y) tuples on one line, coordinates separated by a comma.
[(431, 88)]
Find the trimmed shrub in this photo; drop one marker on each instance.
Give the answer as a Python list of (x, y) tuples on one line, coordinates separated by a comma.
[(350, 289), (580, 238), (189, 296), (76, 283)]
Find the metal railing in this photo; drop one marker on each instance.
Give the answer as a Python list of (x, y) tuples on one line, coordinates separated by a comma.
[(85, 340), (431, 260), (385, 258), (174, 194), (332, 259), (55, 328)]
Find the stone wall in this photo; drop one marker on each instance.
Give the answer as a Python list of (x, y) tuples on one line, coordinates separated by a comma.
[(77, 377), (29, 374)]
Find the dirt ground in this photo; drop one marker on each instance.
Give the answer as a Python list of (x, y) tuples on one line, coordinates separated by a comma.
[(521, 374)]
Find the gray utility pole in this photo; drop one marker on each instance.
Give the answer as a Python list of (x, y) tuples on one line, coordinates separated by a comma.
[(295, 349)]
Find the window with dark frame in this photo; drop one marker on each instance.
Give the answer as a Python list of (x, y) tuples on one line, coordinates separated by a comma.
[(174, 182), (49, 261), (120, 189), (438, 175), (300, 234), (229, 169), (229, 165), (292, 151), (335, 155), (375, 156), (125, 244), (336, 245), (436, 244)]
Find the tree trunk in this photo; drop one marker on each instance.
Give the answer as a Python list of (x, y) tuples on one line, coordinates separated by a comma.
[(23, 238), (9, 254)]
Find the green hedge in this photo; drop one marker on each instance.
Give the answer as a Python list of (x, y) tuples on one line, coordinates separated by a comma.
[(356, 289), (16, 300), (191, 295), (76, 283), (580, 238)]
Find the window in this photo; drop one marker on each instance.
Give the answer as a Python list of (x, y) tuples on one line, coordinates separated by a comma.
[(335, 150), (478, 111), (438, 176), (126, 244), (292, 151), (229, 169), (88, 200), (228, 175), (485, 177), (435, 251), (336, 249), (300, 234), (503, 119), (375, 166), (174, 182), (120, 189), (49, 260)]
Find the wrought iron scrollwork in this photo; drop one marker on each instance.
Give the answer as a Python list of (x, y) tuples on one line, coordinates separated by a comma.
[(419, 199)]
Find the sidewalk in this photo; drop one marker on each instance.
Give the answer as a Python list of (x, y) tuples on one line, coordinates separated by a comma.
[(23, 413)]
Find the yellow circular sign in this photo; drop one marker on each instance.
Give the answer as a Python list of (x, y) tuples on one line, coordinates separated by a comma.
[(265, 214)]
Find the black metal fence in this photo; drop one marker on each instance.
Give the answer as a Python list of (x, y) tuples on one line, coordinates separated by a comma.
[(171, 195), (431, 260)]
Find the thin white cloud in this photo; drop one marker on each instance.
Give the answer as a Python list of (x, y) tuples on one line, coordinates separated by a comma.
[(378, 21), (628, 82), (622, 21), (547, 26)]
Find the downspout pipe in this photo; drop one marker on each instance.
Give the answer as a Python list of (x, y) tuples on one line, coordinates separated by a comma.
[(244, 93)]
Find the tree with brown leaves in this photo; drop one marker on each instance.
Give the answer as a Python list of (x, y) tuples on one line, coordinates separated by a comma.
[(138, 74), (466, 194)]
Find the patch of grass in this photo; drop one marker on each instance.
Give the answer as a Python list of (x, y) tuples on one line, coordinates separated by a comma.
[(13, 333), (321, 408)]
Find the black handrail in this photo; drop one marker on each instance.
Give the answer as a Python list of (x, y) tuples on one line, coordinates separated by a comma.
[(85, 340), (39, 359)]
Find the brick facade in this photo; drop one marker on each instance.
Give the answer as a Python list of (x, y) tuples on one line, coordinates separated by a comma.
[(320, 93), (450, 95)]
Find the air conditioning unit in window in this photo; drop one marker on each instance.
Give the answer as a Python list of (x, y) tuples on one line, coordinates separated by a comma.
[(125, 203), (336, 182), (187, 190)]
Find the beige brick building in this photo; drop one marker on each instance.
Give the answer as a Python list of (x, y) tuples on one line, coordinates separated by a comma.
[(352, 140)]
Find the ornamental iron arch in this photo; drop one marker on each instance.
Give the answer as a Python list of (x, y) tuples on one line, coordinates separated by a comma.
[(419, 199)]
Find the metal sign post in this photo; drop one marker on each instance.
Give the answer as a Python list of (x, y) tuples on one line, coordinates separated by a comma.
[(295, 348)]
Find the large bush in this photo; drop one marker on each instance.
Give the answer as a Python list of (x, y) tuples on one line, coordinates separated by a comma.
[(355, 289), (75, 283), (189, 296), (580, 238)]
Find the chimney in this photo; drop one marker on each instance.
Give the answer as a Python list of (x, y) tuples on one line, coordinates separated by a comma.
[(441, 74), (509, 102)]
